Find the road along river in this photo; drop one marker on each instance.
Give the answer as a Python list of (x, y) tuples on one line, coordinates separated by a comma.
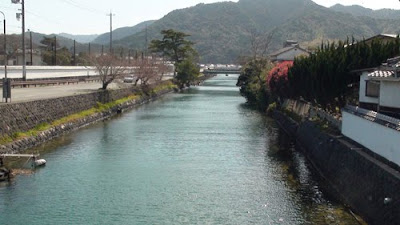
[(198, 157)]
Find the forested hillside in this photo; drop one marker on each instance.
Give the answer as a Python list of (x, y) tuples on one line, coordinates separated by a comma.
[(357, 10), (222, 30)]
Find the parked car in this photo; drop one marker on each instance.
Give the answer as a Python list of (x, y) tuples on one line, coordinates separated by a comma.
[(128, 79)]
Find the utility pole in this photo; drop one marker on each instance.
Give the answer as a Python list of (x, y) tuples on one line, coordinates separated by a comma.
[(23, 36), (5, 47), (74, 53), (5, 89), (55, 50), (89, 49), (111, 16), (23, 43), (31, 46)]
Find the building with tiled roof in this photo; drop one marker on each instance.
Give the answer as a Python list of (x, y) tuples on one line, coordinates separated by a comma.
[(290, 51), (375, 123), (380, 88)]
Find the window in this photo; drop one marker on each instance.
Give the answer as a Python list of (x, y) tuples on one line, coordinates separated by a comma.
[(372, 88)]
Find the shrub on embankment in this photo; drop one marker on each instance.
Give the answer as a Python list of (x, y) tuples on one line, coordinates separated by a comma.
[(31, 119), (326, 79), (252, 83)]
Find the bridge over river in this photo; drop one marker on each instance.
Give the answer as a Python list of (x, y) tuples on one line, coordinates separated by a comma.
[(196, 157), (235, 70)]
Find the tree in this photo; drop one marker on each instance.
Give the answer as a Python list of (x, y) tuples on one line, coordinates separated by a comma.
[(187, 72), (147, 70), (277, 80), (109, 68), (325, 77), (52, 48), (259, 43), (174, 46), (252, 82), (13, 45), (83, 59)]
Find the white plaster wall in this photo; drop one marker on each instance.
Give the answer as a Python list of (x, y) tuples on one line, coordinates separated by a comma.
[(35, 72), (378, 138), (363, 87), (390, 94), (290, 55)]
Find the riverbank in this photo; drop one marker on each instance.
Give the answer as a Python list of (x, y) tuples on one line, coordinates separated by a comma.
[(365, 184), (26, 125), (195, 157)]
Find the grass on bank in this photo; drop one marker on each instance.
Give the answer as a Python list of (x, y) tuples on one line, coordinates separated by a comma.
[(164, 86), (100, 107)]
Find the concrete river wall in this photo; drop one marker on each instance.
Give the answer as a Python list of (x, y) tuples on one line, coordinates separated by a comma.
[(369, 186)]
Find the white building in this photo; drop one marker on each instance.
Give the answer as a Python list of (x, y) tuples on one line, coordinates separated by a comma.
[(36, 56), (380, 88), (375, 124)]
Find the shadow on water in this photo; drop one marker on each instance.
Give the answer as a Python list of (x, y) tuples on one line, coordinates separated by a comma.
[(319, 206)]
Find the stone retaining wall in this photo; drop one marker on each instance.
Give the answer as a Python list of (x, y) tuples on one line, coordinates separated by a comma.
[(29, 142), (21, 117), (367, 185)]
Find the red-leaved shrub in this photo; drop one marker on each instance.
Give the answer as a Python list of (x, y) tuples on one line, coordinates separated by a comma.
[(277, 79)]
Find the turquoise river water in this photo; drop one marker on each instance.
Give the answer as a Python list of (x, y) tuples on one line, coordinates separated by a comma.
[(198, 157)]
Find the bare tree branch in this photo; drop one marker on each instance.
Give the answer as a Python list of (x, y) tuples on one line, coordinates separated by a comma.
[(259, 42), (109, 68)]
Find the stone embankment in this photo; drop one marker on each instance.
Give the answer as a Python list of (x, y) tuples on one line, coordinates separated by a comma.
[(22, 117), (369, 186)]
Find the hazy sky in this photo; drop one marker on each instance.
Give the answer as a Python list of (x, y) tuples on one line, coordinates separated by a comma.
[(89, 16)]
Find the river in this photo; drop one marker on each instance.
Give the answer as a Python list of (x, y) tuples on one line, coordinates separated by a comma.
[(198, 157)]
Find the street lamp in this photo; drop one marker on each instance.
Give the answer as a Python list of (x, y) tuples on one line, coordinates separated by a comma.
[(5, 46), (6, 89), (23, 35)]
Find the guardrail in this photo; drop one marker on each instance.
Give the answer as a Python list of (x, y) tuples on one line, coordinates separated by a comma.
[(35, 83)]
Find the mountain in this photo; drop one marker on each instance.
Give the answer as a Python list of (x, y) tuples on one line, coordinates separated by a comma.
[(222, 30), (121, 33), (80, 38), (62, 42), (357, 10)]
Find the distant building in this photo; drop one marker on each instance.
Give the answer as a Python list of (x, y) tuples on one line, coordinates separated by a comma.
[(384, 38), (289, 43), (289, 52), (36, 58)]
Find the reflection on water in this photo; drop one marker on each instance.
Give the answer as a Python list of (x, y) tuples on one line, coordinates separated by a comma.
[(317, 206), (197, 157)]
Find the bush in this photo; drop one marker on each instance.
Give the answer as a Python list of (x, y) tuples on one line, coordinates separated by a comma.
[(277, 79)]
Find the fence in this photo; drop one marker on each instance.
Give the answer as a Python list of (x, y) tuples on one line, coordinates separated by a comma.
[(306, 110)]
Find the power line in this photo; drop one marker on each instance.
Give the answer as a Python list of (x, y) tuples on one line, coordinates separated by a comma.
[(6, 7), (45, 18), (79, 5)]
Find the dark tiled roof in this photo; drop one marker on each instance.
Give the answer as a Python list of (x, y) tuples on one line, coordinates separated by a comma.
[(283, 50)]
